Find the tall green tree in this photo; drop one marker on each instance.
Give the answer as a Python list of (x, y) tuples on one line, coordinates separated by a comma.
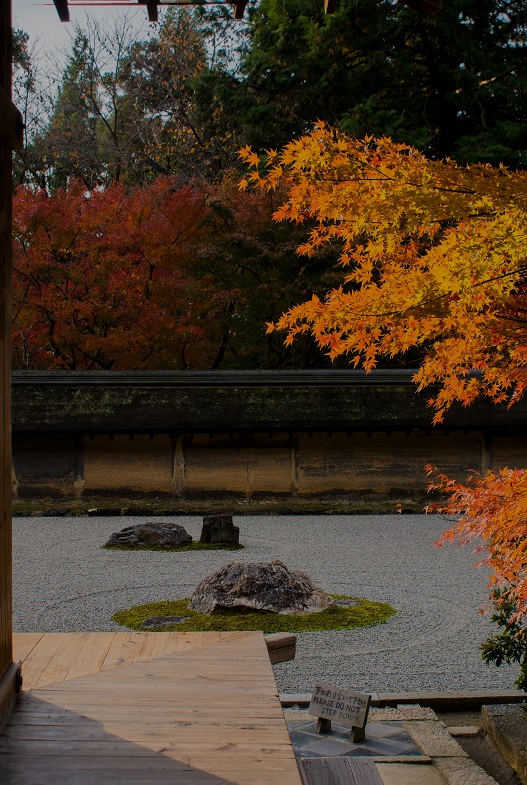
[(69, 145), (124, 108), (157, 80), (453, 84), (248, 255), (34, 98)]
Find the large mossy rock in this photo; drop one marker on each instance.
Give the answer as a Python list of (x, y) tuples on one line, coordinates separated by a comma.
[(161, 535), (256, 586)]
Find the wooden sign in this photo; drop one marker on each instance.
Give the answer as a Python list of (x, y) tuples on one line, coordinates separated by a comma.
[(345, 707)]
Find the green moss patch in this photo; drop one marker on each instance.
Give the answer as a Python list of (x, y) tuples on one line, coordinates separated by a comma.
[(193, 546), (367, 614)]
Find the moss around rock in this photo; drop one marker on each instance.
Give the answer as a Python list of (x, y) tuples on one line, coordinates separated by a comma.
[(365, 614), (193, 546)]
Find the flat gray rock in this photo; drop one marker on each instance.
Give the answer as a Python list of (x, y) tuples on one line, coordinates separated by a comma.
[(264, 587), (154, 622), (507, 727), (162, 534)]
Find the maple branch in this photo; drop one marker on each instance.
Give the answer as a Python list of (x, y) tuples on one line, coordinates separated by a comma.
[(386, 178)]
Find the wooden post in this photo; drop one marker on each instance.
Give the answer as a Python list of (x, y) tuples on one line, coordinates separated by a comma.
[(151, 6), (62, 10), (323, 725), (239, 8), (358, 733), (9, 128)]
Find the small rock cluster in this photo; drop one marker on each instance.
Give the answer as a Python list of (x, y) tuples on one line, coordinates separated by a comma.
[(217, 529), (251, 585)]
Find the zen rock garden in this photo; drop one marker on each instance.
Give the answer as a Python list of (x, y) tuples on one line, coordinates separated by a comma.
[(265, 596), (218, 530)]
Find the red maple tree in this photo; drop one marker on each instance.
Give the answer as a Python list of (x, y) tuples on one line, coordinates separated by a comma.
[(104, 279)]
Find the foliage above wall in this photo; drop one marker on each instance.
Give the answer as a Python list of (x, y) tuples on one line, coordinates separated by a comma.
[(159, 276), (433, 256)]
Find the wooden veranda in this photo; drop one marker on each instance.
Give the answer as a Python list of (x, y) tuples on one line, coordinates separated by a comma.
[(146, 708)]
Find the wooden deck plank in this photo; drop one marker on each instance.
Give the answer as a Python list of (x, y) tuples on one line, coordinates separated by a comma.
[(24, 643), (41, 655), (61, 662), (91, 656), (155, 646), (192, 777), (187, 734), (160, 763), (28, 708), (162, 708), (109, 764), (68, 662), (118, 748), (339, 771), (75, 700), (162, 721), (155, 682), (125, 648)]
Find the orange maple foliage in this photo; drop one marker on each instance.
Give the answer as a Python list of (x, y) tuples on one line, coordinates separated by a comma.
[(434, 255), (493, 508), (435, 259)]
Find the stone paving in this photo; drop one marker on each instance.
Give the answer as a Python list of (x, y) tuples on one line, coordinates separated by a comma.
[(382, 738), (409, 745)]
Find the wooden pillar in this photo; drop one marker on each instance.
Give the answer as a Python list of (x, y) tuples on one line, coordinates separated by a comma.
[(10, 136)]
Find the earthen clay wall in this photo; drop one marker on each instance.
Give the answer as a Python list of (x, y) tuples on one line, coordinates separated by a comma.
[(359, 465), (371, 459)]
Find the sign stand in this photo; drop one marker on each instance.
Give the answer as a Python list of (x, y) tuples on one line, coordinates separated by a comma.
[(343, 706), (358, 732), (323, 725)]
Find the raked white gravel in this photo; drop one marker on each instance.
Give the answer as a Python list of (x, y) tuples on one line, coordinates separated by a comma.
[(64, 581)]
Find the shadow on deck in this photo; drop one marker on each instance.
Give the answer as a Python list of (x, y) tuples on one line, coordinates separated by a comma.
[(146, 708)]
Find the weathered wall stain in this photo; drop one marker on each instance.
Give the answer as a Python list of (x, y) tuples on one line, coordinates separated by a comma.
[(245, 436)]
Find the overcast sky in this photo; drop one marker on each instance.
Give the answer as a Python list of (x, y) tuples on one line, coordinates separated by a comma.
[(42, 21)]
